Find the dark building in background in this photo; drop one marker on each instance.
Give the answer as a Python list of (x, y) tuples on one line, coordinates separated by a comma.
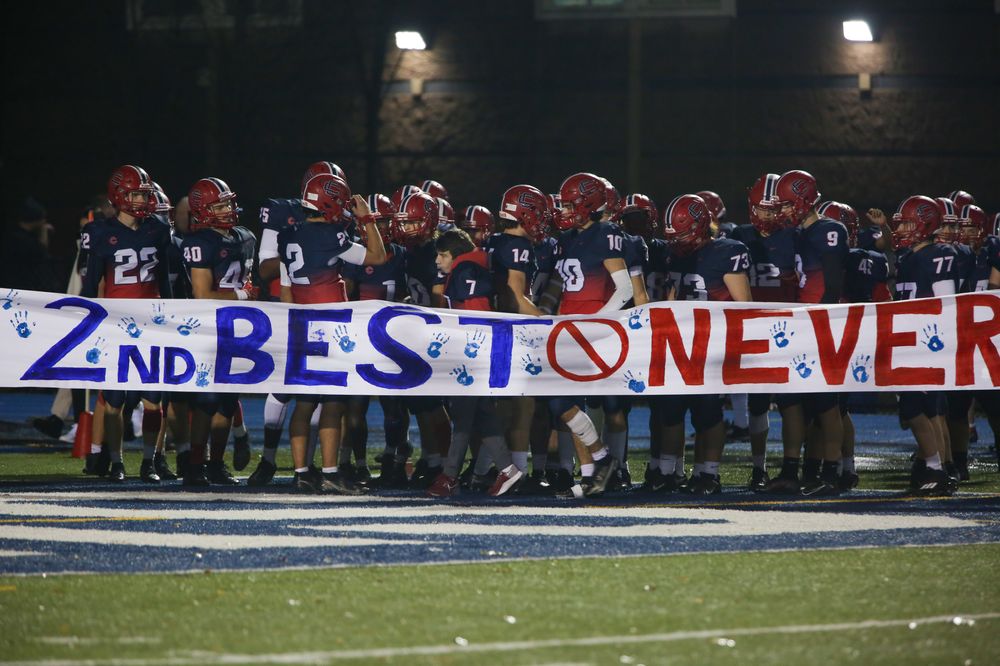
[(253, 91)]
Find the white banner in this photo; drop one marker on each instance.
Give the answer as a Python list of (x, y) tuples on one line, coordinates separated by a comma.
[(374, 347)]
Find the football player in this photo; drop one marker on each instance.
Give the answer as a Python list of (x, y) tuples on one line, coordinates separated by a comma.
[(702, 269), (924, 269), (312, 254), (218, 256), (478, 222), (129, 258)]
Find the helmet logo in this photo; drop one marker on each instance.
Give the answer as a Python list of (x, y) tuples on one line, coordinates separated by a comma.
[(800, 186), (696, 210), (925, 212)]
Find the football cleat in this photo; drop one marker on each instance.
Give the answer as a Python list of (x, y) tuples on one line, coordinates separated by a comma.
[(263, 474), (758, 480), (847, 481), (362, 476), (604, 469), (705, 484), (818, 487), (534, 484), (506, 480), (147, 471), (393, 476), (307, 482), (117, 472), (50, 426), (443, 486), (219, 475), (97, 464), (162, 468), (654, 481), (194, 475), (423, 476), (241, 452), (930, 482), (481, 483), (465, 478), (335, 483), (784, 485)]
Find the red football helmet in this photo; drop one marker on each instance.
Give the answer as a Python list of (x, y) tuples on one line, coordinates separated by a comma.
[(961, 198), (715, 205), (613, 200), (948, 231), (446, 214), (435, 189), (416, 219), (402, 193), (123, 182), (797, 195), (687, 224), (163, 204), (316, 168), (763, 204), (915, 221), (478, 222), (383, 212), (639, 216), (329, 195), (844, 214), (973, 225), (527, 206), (581, 195), (213, 204)]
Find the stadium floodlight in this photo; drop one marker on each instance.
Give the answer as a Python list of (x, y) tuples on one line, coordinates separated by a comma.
[(410, 40), (855, 31)]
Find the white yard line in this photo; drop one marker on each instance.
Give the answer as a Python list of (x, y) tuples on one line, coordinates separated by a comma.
[(319, 657)]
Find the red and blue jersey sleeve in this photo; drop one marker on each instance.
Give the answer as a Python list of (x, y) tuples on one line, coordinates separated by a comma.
[(824, 237)]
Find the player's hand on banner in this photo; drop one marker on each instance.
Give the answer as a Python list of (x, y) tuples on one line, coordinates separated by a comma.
[(248, 292)]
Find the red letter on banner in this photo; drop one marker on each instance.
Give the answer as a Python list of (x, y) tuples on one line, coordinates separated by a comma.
[(887, 340), (604, 370), (973, 334), (666, 333), (834, 361), (737, 347)]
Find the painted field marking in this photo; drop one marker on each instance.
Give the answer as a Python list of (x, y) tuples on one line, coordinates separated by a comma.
[(316, 657)]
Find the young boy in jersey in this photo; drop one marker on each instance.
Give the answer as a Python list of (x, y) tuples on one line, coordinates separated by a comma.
[(469, 286), (128, 258), (219, 259), (312, 254), (593, 279), (702, 269), (923, 269)]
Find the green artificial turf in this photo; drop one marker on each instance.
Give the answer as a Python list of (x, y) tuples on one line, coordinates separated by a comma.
[(150, 617)]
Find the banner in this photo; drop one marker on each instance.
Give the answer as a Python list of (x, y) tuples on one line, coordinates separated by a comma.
[(375, 347)]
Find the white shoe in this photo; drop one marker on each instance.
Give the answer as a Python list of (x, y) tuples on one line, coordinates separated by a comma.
[(70, 435)]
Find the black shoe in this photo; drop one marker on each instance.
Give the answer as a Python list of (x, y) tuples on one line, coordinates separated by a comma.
[(481, 483), (219, 474), (98, 463), (392, 477), (182, 463), (50, 426), (962, 466), (307, 482), (758, 480), (561, 481), (194, 476), (262, 475), (117, 472), (604, 469), (931, 482), (621, 481), (162, 468), (737, 434), (705, 484), (424, 475), (784, 485), (679, 482), (535, 484), (335, 483), (819, 487), (653, 481), (241, 452), (951, 469), (625, 477), (847, 481), (346, 470), (385, 460), (465, 478), (147, 471), (362, 476)]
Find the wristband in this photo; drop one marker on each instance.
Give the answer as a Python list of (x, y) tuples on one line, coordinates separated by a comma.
[(241, 295)]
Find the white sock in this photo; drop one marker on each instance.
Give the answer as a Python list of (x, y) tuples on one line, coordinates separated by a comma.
[(301, 470), (587, 469), (599, 454), (330, 470), (520, 459), (668, 465), (934, 462), (240, 430), (96, 448)]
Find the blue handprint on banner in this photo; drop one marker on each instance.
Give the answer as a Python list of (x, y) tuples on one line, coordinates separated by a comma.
[(20, 323), (532, 365), (8, 301), (530, 341), (462, 376), (128, 325), (160, 314), (931, 339), (343, 338), (95, 353), (780, 335), (188, 326), (635, 320), (802, 365), (201, 376), (473, 343), (859, 369), (437, 342), (633, 383)]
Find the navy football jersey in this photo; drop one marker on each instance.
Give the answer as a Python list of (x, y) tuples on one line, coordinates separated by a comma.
[(385, 282), (422, 273), (636, 254), (699, 275), (469, 285), (822, 237), (865, 270), (229, 257), (313, 254), (773, 278), (988, 258), (587, 285), (545, 263), (180, 284), (918, 272), (275, 215), (89, 231), (133, 263), (965, 262), (508, 252), (657, 270), (868, 236)]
